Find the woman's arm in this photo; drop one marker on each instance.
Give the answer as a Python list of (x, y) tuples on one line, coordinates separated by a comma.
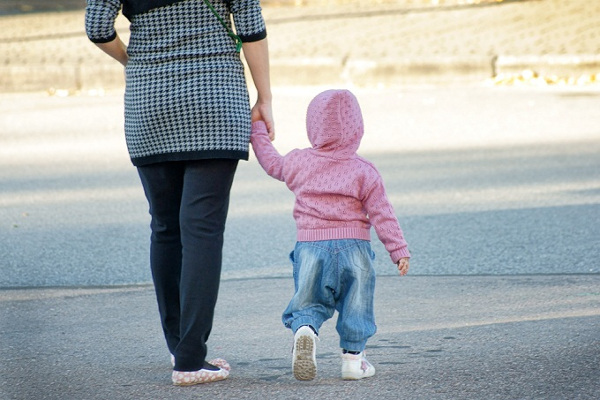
[(257, 57), (100, 16), (116, 49)]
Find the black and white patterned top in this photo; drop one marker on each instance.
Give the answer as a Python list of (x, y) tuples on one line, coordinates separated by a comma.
[(186, 96)]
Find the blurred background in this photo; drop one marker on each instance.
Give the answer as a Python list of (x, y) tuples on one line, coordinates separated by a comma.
[(361, 42)]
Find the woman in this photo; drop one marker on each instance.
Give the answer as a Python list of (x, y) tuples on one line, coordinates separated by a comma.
[(187, 124)]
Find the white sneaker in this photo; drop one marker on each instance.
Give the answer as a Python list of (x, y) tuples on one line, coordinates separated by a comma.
[(356, 366), (304, 361)]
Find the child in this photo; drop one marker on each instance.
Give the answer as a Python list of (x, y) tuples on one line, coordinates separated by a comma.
[(339, 195)]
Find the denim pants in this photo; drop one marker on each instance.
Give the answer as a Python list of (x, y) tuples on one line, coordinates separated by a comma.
[(188, 202), (334, 275)]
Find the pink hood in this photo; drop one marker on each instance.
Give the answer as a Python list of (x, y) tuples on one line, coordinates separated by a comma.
[(334, 123)]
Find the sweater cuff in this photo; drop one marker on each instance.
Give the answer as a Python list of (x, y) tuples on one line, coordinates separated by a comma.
[(254, 37), (259, 128), (110, 38), (398, 254)]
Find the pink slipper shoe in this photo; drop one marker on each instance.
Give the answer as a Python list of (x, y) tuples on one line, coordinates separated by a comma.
[(187, 378), (219, 362)]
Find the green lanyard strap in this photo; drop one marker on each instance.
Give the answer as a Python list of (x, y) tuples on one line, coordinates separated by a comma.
[(232, 35)]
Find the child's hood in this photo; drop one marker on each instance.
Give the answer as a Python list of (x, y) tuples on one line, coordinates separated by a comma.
[(334, 123)]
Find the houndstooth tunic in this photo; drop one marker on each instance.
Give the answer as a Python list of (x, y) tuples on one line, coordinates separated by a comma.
[(185, 96)]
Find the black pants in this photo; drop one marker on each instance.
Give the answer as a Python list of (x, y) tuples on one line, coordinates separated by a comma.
[(188, 204)]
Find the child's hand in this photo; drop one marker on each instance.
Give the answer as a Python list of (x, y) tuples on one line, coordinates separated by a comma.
[(403, 266)]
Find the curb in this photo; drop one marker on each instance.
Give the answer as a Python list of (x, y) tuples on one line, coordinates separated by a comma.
[(385, 71), (320, 71), (40, 77), (559, 65)]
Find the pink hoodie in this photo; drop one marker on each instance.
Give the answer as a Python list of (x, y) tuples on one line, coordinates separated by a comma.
[(339, 194)]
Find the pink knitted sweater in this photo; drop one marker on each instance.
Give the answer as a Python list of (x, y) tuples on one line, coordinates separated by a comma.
[(339, 194)]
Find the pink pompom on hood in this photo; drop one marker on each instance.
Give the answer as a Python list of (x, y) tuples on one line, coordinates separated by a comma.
[(334, 123)]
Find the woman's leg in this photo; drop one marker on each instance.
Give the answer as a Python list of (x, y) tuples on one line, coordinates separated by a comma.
[(203, 212), (188, 204), (163, 185)]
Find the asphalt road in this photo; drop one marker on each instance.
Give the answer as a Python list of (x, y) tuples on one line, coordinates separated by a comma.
[(450, 337), (483, 180), (497, 190)]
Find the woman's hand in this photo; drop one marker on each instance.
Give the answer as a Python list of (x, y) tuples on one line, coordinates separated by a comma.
[(262, 111)]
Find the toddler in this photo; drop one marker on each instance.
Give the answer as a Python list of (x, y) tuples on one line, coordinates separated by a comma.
[(339, 195)]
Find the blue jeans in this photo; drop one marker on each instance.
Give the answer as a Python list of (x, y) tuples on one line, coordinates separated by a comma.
[(334, 275)]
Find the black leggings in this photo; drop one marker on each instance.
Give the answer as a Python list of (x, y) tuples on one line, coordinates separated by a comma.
[(188, 204)]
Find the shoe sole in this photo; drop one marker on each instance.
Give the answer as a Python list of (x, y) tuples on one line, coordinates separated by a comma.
[(199, 382), (353, 374), (304, 366), (352, 377), (208, 377)]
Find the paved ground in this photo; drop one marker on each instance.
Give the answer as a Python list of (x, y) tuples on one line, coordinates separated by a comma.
[(520, 337), (485, 180), (513, 194), (497, 188)]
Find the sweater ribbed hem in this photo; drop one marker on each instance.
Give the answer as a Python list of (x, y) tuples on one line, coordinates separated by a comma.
[(314, 235), (189, 156)]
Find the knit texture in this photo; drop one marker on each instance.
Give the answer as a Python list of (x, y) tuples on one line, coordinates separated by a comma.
[(339, 194)]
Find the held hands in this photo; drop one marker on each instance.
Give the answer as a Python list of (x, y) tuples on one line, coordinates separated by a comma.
[(262, 111), (403, 266)]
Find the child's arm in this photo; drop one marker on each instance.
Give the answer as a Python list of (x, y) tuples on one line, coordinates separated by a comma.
[(383, 219), (268, 157)]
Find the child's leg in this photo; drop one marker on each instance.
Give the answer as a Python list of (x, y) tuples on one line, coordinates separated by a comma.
[(313, 302), (356, 320), (311, 305)]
